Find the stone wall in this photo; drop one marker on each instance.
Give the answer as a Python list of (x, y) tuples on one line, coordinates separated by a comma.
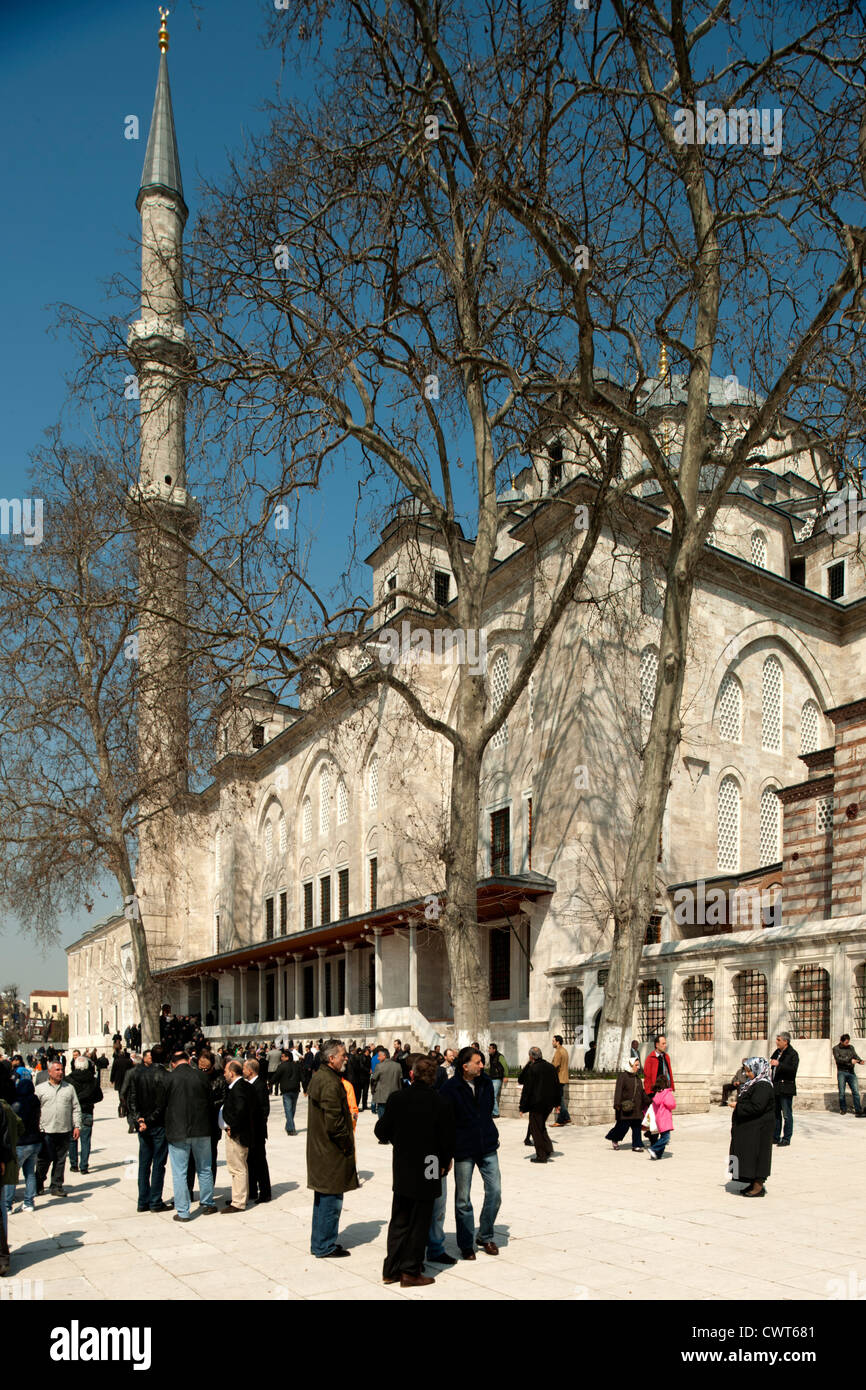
[(591, 1102)]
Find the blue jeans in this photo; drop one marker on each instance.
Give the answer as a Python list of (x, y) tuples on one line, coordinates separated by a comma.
[(563, 1118), (27, 1154), (290, 1100), (326, 1222), (179, 1153), (497, 1090), (84, 1139), (848, 1077), (7, 1197), (436, 1234), (488, 1167), (784, 1110), (152, 1158), (661, 1143)]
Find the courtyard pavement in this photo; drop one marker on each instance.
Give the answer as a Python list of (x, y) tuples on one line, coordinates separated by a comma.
[(593, 1224)]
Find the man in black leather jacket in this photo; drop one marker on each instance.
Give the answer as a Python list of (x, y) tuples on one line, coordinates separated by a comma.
[(784, 1063), (145, 1095)]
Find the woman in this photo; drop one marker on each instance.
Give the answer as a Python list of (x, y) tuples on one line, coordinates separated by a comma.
[(628, 1105), (752, 1125)]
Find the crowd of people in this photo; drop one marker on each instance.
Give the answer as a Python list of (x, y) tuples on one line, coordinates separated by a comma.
[(436, 1110)]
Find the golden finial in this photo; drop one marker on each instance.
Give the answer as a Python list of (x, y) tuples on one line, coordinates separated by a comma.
[(163, 32), (663, 362)]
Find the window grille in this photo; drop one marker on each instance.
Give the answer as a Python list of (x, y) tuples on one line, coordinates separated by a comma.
[(343, 893), (554, 466), (500, 842), (836, 580), (649, 666), (860, 1001), (284, 914), (651, 1009), (809, 1002), (500, 963), (824, 814), (759, 549), (374, 884), (809, 727), (729, 826), (308, 819), (750, 1005), (284, 835), (498, 692), (391, 603), (269, 919), (258, 736), (373, 782), (653, 934), (308, 906), (771, 823), (324, 900), (601, 978), (342, 802), (269, 841), (698, 1009), (730, 710), (441, 587), (325, 800), (571, 1008), (771, 705)]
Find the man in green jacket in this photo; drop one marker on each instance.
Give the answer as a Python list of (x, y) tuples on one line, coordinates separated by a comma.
[(331, 1168)]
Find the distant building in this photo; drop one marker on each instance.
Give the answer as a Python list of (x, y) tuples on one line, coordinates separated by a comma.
[(49, 1003)]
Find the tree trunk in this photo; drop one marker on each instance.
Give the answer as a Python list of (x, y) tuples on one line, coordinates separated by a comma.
[(470, 992), (146, 994)]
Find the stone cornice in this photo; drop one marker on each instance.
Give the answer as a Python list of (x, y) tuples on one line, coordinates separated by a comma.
[(803, 791)]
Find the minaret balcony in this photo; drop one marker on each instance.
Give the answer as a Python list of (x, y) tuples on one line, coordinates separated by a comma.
[(159, 339)]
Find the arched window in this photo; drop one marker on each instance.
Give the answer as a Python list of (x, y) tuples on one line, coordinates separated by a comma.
[(498, 692), (307, 819), (759, 549), (650, 1009), (771, 823), (269, 840), (750, 1005), (809, 1002), (771, 705), (342, 802), (571, 1009), (809, 726), (325, 800), (860, 1001), (729, 825), (730, 710), (698, 1009), (649, 667), (373, 782), (284, 835)]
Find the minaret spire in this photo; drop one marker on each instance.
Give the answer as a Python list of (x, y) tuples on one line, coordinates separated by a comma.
[(161, 170)]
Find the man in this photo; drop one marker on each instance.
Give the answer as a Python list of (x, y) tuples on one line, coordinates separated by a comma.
[(497, 1070), (470, 1094), (400, 1055), (274, 1058), (540, 1093), (366, 1063), (331, 1168), (420, 1125), (386, 1079), (784, 1063), (84, 1079), (146, 1093), (658, 1074), (238, 1118), (445, 1070), (187, 1129), (121, 1064), (735, 1082), (257, 1158), (846, 1059), (308, 1064), (354, 1072), (560, 1062), (59, 1121), (287, 1080)]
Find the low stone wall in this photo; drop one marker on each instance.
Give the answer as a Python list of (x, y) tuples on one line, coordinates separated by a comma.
[(811, 1095), (591, 1102)]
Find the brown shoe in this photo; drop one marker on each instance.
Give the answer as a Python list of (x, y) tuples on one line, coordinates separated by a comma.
[(468, 1254), (489, 1248), (226, 1210), (415, 1281)]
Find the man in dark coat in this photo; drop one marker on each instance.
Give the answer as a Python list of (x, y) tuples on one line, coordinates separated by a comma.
[(420, 1125), (331, 1168), (187, 1129), (146, 1094), (752, 1128), (470, 1093), (354, 1072), (287, 1079), (240, 1115), (121, 1064), (540, 1094), (257, 1158), (84, 1080), (783, 1064)]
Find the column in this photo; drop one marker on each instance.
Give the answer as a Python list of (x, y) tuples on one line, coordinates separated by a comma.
[(261, 969), (348, 947), (282, 1012), (297, 957), (321, 952), (240, 995), (413, 967), (377, 956)]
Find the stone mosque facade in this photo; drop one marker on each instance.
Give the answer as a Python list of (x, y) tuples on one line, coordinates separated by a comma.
[(303, 897)]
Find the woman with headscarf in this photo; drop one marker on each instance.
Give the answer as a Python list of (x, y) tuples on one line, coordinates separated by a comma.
[(628, 1106), (752, 1126)]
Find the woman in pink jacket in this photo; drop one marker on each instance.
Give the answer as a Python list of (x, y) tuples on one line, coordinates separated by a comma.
[(664, 1104)]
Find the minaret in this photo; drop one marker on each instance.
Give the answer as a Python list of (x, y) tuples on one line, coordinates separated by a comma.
[(164, 516)]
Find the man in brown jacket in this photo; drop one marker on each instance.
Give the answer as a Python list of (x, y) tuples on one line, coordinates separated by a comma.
[(331, 1168), (560, 1061)]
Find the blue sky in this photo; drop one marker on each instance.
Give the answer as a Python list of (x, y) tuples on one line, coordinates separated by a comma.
[(70, 76)]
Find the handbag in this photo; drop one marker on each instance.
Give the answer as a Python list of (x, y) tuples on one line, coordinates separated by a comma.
[(649, 1120)]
